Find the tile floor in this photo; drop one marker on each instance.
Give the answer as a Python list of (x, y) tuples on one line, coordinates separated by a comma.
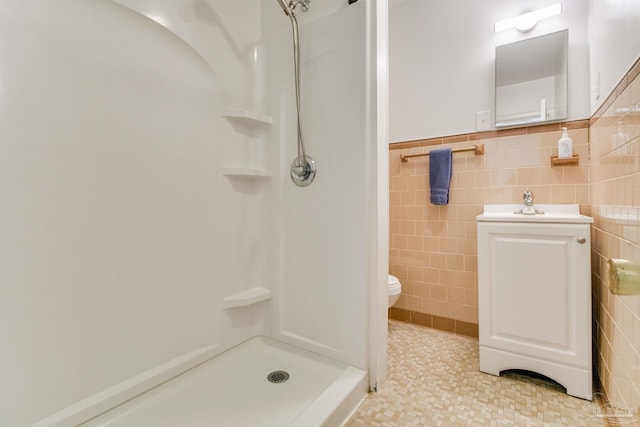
[(434, 380)]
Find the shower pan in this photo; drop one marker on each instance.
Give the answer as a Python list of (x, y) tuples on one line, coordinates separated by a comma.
[(235, 389)]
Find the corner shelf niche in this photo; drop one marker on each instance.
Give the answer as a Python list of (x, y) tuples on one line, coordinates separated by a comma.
[(564, 161), (246, 173), (246, 298), (246, 117)]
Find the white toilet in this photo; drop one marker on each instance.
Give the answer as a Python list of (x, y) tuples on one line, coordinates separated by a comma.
[(393, 289)]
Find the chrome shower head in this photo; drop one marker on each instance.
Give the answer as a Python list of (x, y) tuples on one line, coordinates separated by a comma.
[(288, 8)]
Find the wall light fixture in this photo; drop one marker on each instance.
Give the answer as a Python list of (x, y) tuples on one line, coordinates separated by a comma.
[(527, 21)]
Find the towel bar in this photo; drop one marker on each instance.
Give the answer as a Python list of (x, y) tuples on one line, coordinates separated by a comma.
[(477, 149)]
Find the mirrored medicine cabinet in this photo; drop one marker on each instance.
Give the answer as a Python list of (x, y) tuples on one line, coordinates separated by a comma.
[(531, 80)]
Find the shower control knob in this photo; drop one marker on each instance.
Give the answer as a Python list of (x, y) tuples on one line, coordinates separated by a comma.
[(582, 240), (303, 174)]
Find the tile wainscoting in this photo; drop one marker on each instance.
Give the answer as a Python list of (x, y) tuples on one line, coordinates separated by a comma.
[(433, 249)]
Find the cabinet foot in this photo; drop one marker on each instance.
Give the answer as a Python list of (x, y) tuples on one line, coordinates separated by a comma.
[(577, 381)]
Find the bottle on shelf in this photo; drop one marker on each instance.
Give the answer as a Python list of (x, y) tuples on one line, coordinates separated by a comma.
[(565, 145)]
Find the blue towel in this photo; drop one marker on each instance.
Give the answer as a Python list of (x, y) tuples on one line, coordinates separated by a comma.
[(440, 175)]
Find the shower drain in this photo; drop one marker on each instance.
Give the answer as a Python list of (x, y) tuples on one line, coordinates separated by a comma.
[(278, 377)]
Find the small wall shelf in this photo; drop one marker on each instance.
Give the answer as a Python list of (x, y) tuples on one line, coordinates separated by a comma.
[(246, 117), (246, 173), (565, 161), (245, 298)]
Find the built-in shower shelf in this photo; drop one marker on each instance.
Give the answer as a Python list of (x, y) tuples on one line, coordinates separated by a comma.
[(245, 298), (246, 117), (246, 173)]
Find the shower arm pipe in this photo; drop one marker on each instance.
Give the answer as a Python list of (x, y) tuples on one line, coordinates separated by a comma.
[(296, 64), (284, 7), (288, 9)]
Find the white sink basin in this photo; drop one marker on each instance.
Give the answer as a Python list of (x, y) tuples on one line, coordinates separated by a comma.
[(552, 214)]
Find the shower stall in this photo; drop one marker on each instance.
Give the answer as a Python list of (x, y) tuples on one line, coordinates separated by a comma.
[(149, 226)]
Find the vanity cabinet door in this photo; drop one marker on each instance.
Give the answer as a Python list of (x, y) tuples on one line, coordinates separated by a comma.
[(534, 291)]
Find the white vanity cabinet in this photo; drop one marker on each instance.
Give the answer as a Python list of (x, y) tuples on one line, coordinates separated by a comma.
[(534, 291)]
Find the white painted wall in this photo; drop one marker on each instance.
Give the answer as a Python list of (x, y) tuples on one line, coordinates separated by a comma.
[(615, 44), (442, 61), (120, 237)]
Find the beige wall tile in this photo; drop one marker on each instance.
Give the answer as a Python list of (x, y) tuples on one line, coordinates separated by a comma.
[(438, 292), (406, 227), (415, 213), (466, 179), (421, 290), (456, 295), (414, 243), (527, 176), (438, 260), (447, 310), (408, 198), (431, 275), (415, 273), (455, 262), (576, 175), (470, 263), (467, 313), (449, 277), (448, 245), (549, 176), (563, 194)]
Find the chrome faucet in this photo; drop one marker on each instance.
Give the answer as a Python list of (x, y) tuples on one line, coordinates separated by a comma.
[(527, 208)]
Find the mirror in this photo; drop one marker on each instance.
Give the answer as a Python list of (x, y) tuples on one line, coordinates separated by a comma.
[(531, 80)]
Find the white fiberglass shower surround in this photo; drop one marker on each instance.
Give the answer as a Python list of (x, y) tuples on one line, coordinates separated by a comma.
[(149, 226)]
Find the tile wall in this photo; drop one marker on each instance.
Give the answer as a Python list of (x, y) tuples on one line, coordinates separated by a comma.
[(433, 248), (615, 207)]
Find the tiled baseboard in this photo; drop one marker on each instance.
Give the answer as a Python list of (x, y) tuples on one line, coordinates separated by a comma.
[(436, 322)]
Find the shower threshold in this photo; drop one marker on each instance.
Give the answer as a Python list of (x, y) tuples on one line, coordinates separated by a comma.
[(232, 389)]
